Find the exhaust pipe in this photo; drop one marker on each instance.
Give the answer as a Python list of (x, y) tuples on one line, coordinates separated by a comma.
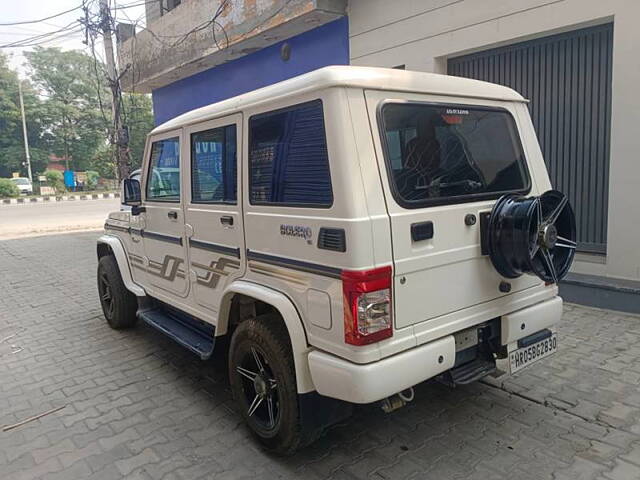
[(399, 400)]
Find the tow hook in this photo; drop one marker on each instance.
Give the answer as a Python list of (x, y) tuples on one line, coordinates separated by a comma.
[(399, 400)]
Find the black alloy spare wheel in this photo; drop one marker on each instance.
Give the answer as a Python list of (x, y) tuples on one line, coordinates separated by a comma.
[(535, 235)]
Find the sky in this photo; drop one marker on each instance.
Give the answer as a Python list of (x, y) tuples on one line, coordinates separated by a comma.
[(24, 10)]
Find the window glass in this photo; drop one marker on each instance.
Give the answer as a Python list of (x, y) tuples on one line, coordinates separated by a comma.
[(213, 166), (288, 157), (436, 152), (163, 184)]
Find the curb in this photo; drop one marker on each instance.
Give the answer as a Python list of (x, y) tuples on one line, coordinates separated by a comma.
[(58, 198)]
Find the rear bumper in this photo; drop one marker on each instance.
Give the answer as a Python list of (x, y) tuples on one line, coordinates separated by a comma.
[(338, 378), (523, 323), (366, 383)]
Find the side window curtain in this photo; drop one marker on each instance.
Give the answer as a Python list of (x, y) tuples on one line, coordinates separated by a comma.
[(289, 163), (163, 182), (213, 166)]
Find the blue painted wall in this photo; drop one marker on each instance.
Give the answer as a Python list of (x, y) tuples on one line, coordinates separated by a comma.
[(322, 46)]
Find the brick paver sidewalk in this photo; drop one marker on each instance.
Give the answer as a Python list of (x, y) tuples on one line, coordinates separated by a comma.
[(139, 406)]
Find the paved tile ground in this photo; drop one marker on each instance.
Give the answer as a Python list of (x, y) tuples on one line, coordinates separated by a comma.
[(139, 406)]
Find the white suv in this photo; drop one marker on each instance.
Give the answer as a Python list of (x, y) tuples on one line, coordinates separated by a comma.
[(23, 184), (353, 232)]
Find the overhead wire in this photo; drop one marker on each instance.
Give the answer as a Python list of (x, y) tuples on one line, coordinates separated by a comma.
[(25, 22), (36, 40)]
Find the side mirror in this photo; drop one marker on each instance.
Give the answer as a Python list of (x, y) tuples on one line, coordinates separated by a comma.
[(132, 195)]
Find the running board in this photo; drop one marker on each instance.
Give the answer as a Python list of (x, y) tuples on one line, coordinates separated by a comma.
[(191, 333), (468, 372)]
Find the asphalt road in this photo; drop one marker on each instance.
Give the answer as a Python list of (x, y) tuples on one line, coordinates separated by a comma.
[(134, 404), (43, 218)]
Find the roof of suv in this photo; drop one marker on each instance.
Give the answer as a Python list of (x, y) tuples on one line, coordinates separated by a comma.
[(351, 76)]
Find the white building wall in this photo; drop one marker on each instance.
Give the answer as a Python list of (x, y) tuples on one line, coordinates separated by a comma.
[(422, 34)]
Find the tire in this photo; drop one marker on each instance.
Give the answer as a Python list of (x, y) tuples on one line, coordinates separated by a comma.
[(275, 420), (119, 305)]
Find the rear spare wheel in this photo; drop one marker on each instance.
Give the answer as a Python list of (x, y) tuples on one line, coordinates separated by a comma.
[(534, 235)]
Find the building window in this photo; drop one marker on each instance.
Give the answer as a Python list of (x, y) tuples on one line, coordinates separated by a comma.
[(163, 184), (289, 163), (213, 166), (168, 5)]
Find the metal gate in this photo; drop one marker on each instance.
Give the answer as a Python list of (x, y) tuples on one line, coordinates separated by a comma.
[(567, 78)]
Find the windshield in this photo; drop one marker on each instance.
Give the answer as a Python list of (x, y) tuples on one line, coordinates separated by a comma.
[(448, 153), (20, 181)]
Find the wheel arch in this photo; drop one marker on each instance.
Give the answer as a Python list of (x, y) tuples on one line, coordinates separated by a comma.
[(110, 245), (290, 316)]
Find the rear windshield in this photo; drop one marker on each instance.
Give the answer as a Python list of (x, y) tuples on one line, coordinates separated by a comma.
[(451, 153)]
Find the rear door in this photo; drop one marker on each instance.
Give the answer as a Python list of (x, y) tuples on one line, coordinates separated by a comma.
[(213, 212), (163, 224), (440, 161)]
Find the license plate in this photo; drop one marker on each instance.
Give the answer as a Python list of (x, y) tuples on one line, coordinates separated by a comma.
[(525, 356)]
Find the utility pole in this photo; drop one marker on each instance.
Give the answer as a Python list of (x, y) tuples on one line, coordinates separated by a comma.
[(120, 135), (24, 131)]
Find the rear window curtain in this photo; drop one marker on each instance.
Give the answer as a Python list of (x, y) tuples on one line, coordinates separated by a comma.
[(289, 164)]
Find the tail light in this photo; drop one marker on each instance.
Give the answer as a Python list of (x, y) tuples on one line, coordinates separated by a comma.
[(367, 305)]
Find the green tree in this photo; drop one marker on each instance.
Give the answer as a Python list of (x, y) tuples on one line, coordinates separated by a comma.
[(72, 92), (103, 161), (139, 118), (12, 155)]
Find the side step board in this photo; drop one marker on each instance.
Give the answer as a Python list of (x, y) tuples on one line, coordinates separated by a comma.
[(468, 372), (197, 336)]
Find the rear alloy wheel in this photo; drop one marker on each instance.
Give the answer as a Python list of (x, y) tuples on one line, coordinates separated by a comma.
[(535, 235), (119, 305), (260, 389), (262, 377)]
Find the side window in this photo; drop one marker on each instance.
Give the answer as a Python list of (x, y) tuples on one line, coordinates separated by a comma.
[(213, 166), (288, 160), (163, 182)]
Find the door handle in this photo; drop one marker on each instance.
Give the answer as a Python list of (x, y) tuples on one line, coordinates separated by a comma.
[(421, 231), (226, 220), (172, 214)]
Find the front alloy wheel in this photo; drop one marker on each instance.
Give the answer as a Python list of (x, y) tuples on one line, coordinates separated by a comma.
[(106, 295), (119, 305)]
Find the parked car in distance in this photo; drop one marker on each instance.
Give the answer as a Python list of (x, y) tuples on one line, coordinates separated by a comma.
[(23, 184), (349, 234)]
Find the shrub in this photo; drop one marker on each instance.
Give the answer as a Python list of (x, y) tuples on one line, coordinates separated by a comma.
[(8, 188), (55, 179), (92, 179)]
